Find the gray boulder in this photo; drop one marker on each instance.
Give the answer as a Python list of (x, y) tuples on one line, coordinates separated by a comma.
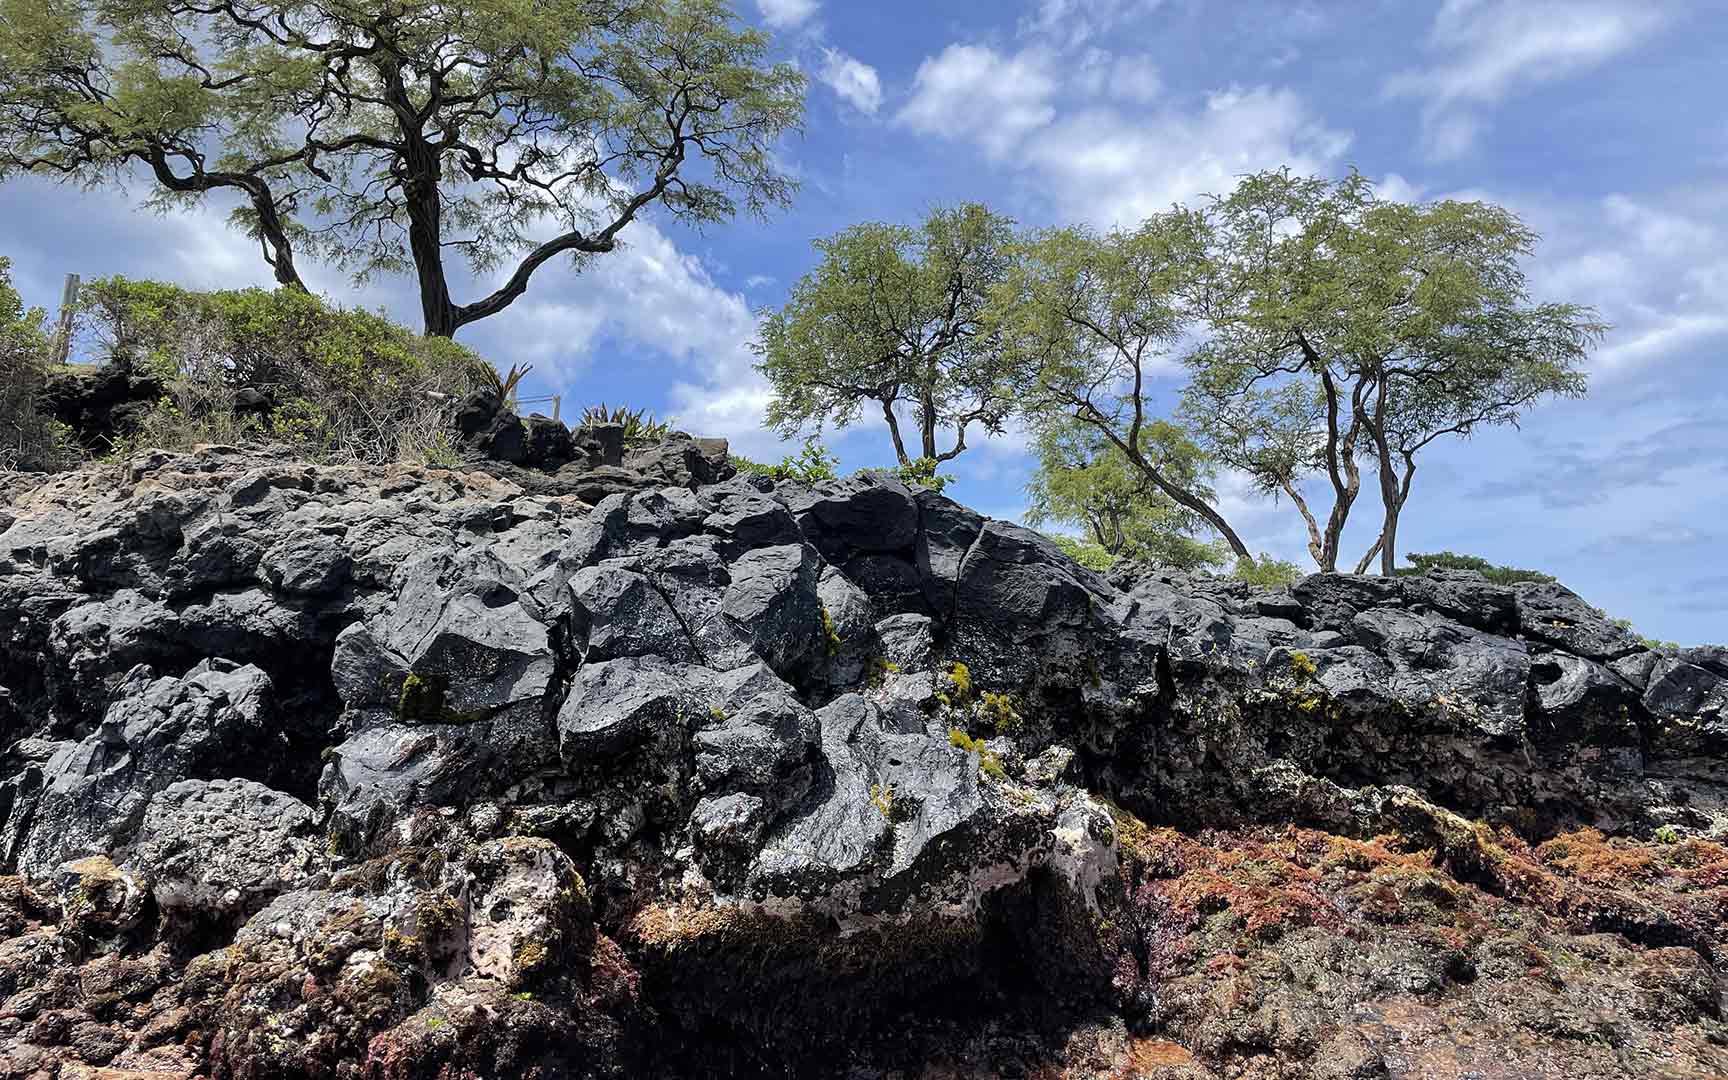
[(225, 848), (93, 794)]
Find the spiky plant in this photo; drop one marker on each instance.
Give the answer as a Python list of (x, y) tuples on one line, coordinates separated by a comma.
[(640, 426), (505, 385)]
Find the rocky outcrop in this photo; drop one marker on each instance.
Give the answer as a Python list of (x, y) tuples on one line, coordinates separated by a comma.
[(403, 772)]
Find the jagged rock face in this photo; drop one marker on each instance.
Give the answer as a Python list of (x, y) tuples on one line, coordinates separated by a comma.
[(416, 772)]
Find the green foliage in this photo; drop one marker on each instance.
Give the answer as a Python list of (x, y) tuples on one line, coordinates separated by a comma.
[(989, 761), (1302, 666), (1667, 834), (811, 465), (28, 439), (830, 636), (405, 133), (346, 385), (1088, 554), (1084, 481), (922, 473), (1267, 572), (1001, 712), (1448, 560), (1090, 321), (960, 685), (503, 385), (882, 798), (877, 670), (894, 316), (641, 427), (1347, 327)]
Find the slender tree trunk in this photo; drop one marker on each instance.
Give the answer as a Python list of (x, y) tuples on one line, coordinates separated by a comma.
[(1316, 544), (1340, 469), (1388, 482), (894, 431), (1086, 413), (1190, 500)]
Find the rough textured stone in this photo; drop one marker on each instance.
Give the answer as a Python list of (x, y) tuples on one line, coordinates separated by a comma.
[(759, 778)]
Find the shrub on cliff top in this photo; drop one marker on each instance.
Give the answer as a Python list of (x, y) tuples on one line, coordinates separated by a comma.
[(27, 438), (335, 383)]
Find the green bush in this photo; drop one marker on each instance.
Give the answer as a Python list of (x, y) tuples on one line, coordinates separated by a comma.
[(345, 385), (1088, 554), (1267, 572), (28, 439), (811, 465), (1449, 560)]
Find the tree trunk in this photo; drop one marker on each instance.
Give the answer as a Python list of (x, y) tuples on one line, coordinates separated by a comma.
[(1192, 502), (894, 431), (425, 232), (1087, 414), (1388, 483)]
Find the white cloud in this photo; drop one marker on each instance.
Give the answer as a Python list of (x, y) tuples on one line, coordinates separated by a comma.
[(783, 14), (1074, 22), (1656, 272), (1490, 48), (1108, 167), (977, 92), (1126, 78), (855, 81)]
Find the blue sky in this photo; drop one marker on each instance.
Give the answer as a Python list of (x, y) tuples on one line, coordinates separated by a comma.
[(1599, 122)]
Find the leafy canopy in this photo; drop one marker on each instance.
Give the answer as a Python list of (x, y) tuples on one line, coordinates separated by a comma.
[(896, 316), (389, 134), (1343, 326), (1092, 321), (1084, 482), (28, 439)]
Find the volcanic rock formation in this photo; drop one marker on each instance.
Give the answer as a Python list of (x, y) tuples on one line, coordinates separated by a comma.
[(407, 772)]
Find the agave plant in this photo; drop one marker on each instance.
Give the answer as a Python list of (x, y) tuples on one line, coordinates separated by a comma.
[(640, 426), (505, 385)]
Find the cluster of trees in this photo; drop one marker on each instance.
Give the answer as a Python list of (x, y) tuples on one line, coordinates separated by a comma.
[(28, 439), (1299, 331), (1323, 333)]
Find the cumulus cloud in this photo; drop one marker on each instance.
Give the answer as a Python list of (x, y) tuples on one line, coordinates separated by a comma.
[(1654, 268), (978, 92), (1111, 168), (855, 81), (1132, 78), (1488, 49), (784, 14)]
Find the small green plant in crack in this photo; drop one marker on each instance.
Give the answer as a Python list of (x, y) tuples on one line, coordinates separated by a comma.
[(1302, 666), (989, 761), (878, 669), (882, 798), (959, 693), (829, 633), (1001, 713)]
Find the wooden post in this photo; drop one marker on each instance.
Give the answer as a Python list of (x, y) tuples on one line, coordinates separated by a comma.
[(557, 403), (68, 307)]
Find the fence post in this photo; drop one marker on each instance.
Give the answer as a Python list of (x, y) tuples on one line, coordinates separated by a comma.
[(557, 404), (63, 335)]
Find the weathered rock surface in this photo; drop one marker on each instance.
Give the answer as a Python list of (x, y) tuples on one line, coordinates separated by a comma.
[(609, 765)]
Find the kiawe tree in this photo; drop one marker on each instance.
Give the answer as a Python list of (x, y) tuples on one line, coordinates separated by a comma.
[(1094, 321), (1083, 481), (405, 133), (895, 317), (91, 94), (1344, 329)]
